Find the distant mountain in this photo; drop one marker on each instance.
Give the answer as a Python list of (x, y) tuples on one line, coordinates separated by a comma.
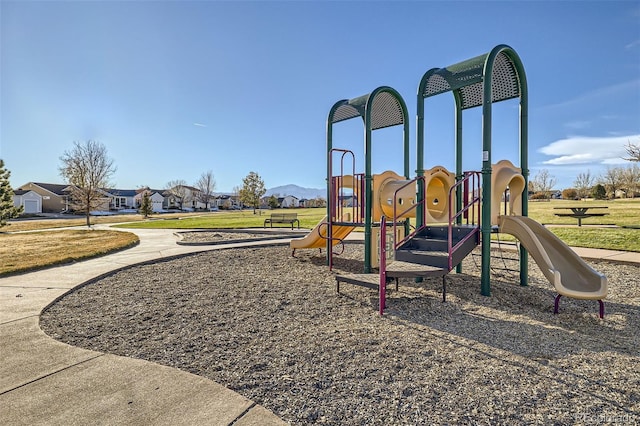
[(297, 191)]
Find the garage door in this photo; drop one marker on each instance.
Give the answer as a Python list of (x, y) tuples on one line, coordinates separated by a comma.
[(31, 206)]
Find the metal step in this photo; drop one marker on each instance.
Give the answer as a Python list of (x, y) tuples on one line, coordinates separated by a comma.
[(424, 249), (400, 269), (363, 280)]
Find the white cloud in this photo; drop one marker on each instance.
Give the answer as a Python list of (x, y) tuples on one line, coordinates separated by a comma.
[(601, 93), (588, 150), (578, 124), (199, 125), (633, 44)]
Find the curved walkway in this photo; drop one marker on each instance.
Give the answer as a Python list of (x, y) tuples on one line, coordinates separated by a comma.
[(43, 381)]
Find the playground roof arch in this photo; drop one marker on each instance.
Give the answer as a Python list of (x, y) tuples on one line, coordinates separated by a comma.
[(383, 107), (481, 81), (467, 79)]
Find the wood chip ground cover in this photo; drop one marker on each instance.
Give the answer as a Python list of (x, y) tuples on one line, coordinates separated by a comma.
[(272, 328)]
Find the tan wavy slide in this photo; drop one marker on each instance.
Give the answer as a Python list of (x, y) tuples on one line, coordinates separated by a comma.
[(570, 275), (317, 238)]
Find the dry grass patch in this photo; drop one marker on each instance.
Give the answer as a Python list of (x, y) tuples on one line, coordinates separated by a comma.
[(34, 250)]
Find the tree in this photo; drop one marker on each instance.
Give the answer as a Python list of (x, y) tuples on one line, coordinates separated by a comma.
[(631, 180), (205, 186), (598, 192), (87, 169), (584, 183), (634, 152), (178, 189), (543, 182), (146, 206), (273, 202), (252, 190), (612, 180), (7, 209)]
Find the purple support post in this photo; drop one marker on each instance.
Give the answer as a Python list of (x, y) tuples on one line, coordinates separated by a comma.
[(555, 310), (601, 308)]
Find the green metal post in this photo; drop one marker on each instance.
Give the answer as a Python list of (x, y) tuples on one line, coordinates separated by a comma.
[(485, 228), (329, 159), (458, 123), (368, 190), (420, 157), (524, 157)]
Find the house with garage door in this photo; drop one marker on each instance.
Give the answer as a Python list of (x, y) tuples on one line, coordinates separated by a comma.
[(156, 197), (55, 197), (31, 201)]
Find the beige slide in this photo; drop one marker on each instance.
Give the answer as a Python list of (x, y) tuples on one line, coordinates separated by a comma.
[(570, 275), (317, 238)]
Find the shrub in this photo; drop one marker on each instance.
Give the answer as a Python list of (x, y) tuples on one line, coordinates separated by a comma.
[(569, 194), (539, 196)]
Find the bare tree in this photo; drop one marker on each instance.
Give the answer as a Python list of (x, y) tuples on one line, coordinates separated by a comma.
[(88, 170), (178, 189), (634, 152), (252, 190), (543, 181), (631, 180), (612, 180), (205, 186), (583, 183)]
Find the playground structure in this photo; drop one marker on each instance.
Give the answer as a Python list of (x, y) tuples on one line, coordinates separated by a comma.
[(454, 212)]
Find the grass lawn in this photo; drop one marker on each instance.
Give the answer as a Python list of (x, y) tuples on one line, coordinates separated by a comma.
[(44, 223), (233, 219), (34, 250), (21, 252)]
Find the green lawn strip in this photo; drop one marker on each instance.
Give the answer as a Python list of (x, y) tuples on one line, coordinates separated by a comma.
[(625, 239), (230, 220)]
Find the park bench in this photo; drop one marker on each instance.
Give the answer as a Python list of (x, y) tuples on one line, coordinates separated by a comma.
[(579, 213), (289, 218)]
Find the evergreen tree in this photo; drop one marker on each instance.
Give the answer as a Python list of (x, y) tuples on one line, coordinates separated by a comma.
[(599, 193), (273, 202), (146, 208), (7, 209)]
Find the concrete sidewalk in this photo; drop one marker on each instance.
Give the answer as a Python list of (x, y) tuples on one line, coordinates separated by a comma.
[(43, 381)]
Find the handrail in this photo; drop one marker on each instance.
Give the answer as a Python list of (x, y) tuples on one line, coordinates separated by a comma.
[(333, 196), (468, 205)]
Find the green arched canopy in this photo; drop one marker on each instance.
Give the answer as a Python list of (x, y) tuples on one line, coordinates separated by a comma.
[(384, 107), (481, 81)]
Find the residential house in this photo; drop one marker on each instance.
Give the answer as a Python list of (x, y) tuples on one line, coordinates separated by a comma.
[(30, 200), (190, 199), (288, 201), (55, 197), (157, 199), (121, 199)]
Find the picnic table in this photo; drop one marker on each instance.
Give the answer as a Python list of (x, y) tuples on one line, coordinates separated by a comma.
[(580, 212)]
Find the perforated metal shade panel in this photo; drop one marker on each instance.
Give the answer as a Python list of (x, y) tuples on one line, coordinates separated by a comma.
[(386, 110), (466, 78)]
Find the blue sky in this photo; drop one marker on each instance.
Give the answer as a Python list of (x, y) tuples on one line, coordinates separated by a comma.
[(173, 89)]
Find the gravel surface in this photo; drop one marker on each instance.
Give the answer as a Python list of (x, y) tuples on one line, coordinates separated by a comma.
[(272, 328)]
